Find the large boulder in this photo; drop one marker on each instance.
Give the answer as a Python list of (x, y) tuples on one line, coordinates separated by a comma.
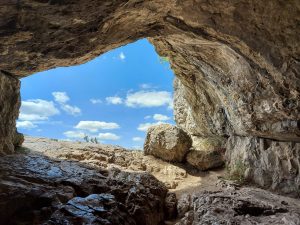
[(206, 153), (167, 142)]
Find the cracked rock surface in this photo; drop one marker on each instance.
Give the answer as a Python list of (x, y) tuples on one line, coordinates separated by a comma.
[(36, 189), (236, 62), (43, 187), (235, 205)]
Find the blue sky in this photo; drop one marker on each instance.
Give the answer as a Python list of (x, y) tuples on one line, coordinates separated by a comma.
[(114, 97)]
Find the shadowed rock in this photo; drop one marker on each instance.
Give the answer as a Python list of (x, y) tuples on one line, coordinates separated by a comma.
[(35, 189)]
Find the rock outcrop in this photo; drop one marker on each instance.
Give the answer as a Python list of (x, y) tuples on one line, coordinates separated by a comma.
[(204, 160), (236, 62), (108, 156), (206, 153), (167, 142), (270, 164), (9, 112), (35, 189), (238, 206), (39, 185)]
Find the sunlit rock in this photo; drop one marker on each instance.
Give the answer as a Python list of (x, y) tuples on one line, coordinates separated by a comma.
[(270, 164), (167, 142)]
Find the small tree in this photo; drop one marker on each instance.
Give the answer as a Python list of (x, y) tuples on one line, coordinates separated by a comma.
[(96, 140), (164, 59), (86, 138)]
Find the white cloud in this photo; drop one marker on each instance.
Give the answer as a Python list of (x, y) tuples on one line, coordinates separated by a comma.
[(37, 109), (145, 86), (108, 136), (171, 105), (147, 117), (137, 139), (94, 126), (149, 99), (160, 117), (25, 125), (72, 110), (122, 56), (114, 100), (60, 97), (74, 134), (95, 101), (145, 126)]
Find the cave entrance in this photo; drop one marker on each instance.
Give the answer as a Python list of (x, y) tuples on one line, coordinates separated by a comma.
[(112, 99)]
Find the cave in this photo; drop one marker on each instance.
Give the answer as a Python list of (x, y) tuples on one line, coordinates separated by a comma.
[(236, 63), (97, 100)]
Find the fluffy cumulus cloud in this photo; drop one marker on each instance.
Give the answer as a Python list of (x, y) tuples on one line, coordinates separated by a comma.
[(25, 125), (108, 136), (114, 100), (149, 99), (145, 126), (62, 98), (95, 101), (122, 56), (37, 109), (71, 110), (94, 126), (137, 139), (160, 117), (74, 134)]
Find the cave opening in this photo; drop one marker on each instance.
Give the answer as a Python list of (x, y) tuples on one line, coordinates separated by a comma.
[(111, 99)]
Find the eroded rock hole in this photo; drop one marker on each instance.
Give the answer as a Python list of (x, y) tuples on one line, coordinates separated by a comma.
[(247, 208)]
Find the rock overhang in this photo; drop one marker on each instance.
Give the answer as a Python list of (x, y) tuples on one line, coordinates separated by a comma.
[(236, 63)]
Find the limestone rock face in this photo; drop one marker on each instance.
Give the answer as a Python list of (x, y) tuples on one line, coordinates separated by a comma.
[(36, 189), (236, 62), (87, 210), (206, 153), (167, 142), (205, 159), (238, 206), (9, 111), (270, 164)]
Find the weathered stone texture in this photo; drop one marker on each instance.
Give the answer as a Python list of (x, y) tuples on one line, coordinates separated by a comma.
[(9, 111), (167, 142), (237, 62), (35, 189), (235, 205), (270, 164)]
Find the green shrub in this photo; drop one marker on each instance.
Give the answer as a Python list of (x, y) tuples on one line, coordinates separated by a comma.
[(236, 171), (164, 59)]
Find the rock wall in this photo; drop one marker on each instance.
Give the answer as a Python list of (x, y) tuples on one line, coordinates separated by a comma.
[(9, 111), (236, 62), (267, 162)]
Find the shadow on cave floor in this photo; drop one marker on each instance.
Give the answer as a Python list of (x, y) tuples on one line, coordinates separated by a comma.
[(35, 188), (58, 181), (177, 177)]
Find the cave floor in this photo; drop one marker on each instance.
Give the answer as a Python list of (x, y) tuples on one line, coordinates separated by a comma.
[(58, 182)]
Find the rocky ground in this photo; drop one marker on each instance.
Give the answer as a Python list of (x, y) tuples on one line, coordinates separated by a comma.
[(58, 182)]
